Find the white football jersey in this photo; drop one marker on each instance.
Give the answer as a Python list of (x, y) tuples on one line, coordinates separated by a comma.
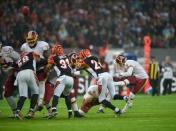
[(39, 48), (138, 70), (8, 54), (92, 92)]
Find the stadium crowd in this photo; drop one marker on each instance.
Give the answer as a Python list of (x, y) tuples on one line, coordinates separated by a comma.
[(80, 23)]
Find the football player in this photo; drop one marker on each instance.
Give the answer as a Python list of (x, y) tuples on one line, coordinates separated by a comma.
[(9, 57), (90, 99), (26, 78), (104, 80), (130, 73), (73, 58), (64, 81), (70, 100), (42, 48)]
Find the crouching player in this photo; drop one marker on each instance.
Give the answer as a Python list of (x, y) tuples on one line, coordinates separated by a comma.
[(90, 99), (130, 73), (25, 79)]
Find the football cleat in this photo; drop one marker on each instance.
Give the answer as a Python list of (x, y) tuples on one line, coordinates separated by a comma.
[(70, 114), (77, 114), (30, 115), (18, 115), (129, 102), (49, 113), (52, 114), (100, 111), (118, 113), (40, 107), (125, 108)]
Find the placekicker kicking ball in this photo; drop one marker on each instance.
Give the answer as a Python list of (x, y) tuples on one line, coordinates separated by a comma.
[(25, 10)]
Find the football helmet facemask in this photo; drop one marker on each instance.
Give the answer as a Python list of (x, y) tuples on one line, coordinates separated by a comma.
[(120, 59), (32, 38)]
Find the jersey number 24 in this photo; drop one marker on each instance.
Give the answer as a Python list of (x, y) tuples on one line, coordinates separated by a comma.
[(97, 64)]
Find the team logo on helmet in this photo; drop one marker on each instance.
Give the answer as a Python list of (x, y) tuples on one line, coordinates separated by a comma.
[(120, 59), (32, 38), (73, 57)]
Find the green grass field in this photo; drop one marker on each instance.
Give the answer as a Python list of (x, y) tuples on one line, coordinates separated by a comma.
[(148, 114)]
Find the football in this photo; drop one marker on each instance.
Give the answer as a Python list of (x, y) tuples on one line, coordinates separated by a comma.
[(25, 10)]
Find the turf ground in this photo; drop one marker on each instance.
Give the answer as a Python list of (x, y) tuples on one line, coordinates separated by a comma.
[(147, 114)]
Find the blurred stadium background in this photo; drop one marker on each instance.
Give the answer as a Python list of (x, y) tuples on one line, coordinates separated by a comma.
[(106, 27)]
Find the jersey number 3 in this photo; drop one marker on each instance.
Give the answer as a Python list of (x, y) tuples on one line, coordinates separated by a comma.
[(97, 64)]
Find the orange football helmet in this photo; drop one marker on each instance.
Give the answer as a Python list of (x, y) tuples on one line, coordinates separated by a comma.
[(120, 59), (57, 50), (32, 38), (84, 53)]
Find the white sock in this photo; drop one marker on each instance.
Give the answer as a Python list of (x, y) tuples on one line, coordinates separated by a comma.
[(41, 92), (125, 97), (132, 95), (101, 107), (119, 83), (75, 106), (122, 83), (116, 109), (81, 112)]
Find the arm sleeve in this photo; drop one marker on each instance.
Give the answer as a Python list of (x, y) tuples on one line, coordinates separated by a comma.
[(57, 70), (22, 48), (46, 46), (129, 72)]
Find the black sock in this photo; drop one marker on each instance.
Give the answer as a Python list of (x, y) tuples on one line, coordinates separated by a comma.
[(20, 103), (76, 112), (34, 99), (108, 104), (68, 102), (55, 101), (118, 97)]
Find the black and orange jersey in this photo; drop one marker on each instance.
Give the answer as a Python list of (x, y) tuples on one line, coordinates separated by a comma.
[(27, 61), (62, 63), (94, 63)]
